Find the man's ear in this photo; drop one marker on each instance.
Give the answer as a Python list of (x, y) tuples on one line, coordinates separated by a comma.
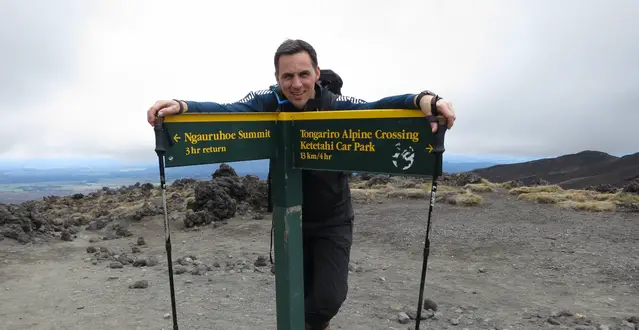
[(317, 73)]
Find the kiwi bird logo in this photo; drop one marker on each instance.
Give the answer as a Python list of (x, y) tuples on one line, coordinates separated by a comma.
[(403, 158)]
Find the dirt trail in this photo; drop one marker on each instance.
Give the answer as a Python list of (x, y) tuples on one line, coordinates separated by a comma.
[(507, 264)]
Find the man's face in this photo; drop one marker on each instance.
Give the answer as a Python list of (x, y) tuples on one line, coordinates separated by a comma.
[(297, 78)]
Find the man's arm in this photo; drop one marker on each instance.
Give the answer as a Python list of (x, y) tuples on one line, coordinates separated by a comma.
[(256, 101), (404, 101)]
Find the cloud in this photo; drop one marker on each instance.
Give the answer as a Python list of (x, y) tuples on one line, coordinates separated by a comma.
[(567, 83), (526, 78), (40, 40)]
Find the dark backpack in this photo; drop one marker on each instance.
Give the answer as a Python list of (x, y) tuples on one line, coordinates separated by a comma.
[(333, 82)]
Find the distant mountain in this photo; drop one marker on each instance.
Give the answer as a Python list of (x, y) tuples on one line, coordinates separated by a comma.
[(573, 171), (42, 172), (455, 167)]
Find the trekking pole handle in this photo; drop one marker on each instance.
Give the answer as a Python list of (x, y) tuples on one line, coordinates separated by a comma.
[(160, 138), (442, 127)]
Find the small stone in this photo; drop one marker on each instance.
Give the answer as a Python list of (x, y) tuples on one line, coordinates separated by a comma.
[(179, 269), (135, 249), (141, 241), (430, 304), (396, 307), (427, 314), (561, 313), (141, 284), (424, 315), (115, 264), (91, 249), (167, 316), (553, 321), (260, 262), (403, 318)]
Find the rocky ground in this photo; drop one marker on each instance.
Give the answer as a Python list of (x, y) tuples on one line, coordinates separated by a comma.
[(498, 260)]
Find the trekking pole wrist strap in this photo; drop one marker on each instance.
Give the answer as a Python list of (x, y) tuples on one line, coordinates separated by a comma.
[(433, 101), (181, 111)]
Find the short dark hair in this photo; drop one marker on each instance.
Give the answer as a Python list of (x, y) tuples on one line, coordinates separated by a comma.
[(294, 46)]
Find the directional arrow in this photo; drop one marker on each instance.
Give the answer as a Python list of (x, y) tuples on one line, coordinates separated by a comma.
[(176, 137), (429, 148)]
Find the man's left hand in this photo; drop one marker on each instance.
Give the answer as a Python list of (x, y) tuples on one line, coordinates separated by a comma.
[(446, 109), (443, 108)]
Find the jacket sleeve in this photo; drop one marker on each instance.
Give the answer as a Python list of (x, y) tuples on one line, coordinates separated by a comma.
[(405, 101), (255, 101)]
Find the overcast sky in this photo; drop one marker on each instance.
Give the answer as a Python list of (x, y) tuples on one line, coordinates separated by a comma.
[(527, 78)]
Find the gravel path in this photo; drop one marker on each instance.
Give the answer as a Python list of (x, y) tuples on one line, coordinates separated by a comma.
[(507, 264)]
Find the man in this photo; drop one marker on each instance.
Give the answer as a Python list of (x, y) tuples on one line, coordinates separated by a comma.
[(327, 212)]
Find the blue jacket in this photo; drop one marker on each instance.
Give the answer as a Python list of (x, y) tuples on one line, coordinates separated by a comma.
[(326, 194), (267, 101)]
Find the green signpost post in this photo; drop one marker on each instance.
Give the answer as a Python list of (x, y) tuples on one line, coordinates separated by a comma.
[(388, 141)]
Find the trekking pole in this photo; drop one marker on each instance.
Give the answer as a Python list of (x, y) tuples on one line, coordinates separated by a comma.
[(437, 170), (426, 253), (160, 149)]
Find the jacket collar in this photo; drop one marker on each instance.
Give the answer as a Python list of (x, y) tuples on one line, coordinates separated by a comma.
[(316, 102), (311, 105)]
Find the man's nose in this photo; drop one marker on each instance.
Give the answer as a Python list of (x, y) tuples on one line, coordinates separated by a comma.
[(297, 82)]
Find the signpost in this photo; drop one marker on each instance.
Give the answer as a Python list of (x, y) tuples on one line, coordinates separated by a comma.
[(387, 141)]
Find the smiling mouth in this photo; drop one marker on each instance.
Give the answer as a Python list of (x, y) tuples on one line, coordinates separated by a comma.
[(298, 94)]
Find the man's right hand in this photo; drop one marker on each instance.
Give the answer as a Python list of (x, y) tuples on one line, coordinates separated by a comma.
[(162, 108)]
